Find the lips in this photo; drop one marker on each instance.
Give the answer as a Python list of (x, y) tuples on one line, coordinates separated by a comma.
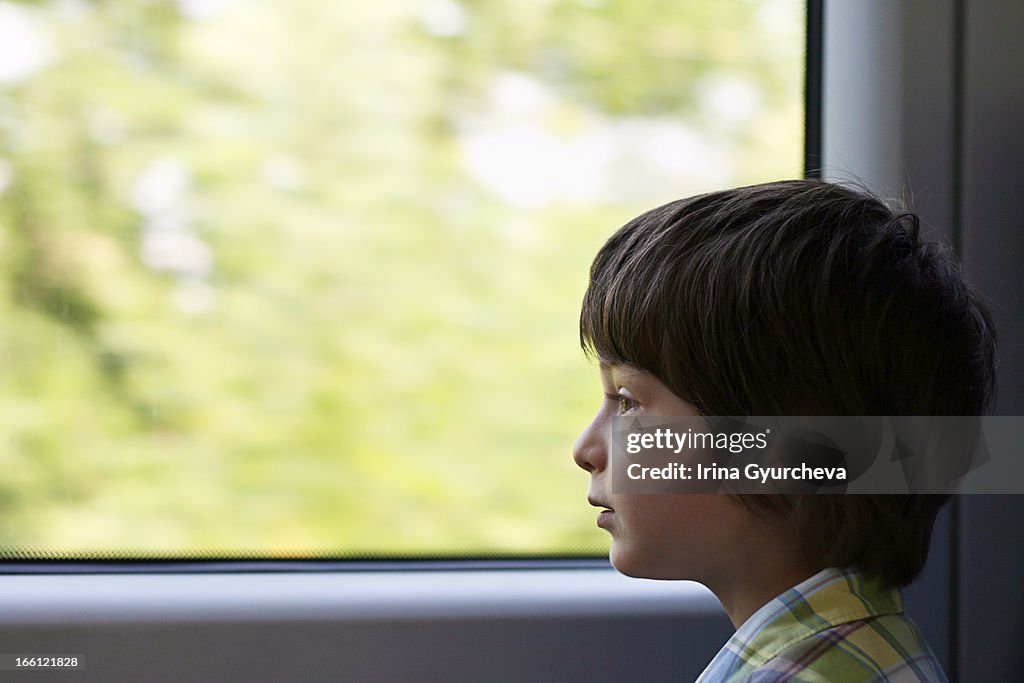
[(604, 517)]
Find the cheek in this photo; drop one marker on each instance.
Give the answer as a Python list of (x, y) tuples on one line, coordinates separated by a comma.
[(675, 536)]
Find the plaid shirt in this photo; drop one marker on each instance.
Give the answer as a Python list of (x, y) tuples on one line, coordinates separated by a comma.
[(836, 627)]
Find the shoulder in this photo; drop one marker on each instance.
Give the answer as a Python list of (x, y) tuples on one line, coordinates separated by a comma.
[(886, 648), (838, 626)]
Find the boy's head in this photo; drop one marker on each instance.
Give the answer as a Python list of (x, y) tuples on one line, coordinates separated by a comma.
[(798, 298)]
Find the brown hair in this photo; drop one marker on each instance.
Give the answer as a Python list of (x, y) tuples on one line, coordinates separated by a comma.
[(800, 298)]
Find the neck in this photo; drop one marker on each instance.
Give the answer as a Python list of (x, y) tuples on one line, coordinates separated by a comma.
[(767, 560), (740, 600)]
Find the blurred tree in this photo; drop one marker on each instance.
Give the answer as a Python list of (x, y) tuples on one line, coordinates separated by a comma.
[(295, 277)]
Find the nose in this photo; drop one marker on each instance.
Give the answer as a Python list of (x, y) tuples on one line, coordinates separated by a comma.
[(590, 452)]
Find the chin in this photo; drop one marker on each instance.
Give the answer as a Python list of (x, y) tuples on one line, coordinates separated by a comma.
[(629, 564)]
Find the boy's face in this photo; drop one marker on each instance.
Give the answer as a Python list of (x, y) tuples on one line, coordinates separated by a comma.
[(703, 537)]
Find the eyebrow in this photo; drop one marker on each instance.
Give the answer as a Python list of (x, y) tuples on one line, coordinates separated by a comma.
[(626, 371)]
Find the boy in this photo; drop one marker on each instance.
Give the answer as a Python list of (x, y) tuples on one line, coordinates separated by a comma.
[(789, 298)]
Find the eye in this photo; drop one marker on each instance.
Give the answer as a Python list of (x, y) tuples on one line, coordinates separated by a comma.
[(624, 403)]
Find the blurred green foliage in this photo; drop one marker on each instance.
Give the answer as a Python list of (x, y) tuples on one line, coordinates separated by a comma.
[(260, 295)]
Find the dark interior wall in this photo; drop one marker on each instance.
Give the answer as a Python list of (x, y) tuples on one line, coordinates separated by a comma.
[(378, 651), (991, 528)]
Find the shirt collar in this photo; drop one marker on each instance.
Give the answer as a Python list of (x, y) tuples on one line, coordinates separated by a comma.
[(829, 598)]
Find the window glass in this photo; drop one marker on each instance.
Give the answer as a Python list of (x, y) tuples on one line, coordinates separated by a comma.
[(301, 278)]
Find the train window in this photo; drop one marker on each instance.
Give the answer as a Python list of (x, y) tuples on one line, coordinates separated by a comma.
[(300, 279)]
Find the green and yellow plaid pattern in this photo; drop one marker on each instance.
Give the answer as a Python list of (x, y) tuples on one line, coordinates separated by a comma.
[(838, 626)]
